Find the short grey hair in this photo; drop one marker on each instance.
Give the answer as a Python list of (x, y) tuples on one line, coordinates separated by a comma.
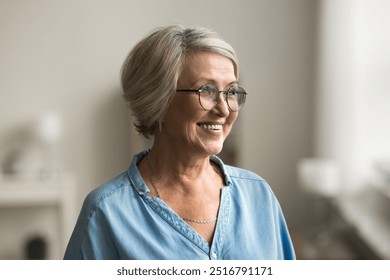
[(150, 72)]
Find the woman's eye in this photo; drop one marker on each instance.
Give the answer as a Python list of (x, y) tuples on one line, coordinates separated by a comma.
[(206, 89)]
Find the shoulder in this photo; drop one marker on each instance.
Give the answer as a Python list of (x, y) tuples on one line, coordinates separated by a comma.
[(109, 191), (242, 174), (243, 180), (96, 210), (118, 191)]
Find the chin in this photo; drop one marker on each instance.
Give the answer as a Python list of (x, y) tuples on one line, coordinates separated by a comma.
[(214, 149), (210, 146)]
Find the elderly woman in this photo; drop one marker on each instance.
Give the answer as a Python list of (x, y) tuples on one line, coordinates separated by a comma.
[(178, 200)]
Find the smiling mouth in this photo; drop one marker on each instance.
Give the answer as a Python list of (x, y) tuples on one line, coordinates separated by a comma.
[(211, 126)]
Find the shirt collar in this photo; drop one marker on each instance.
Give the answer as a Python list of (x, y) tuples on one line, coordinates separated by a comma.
[(135, 176), (220, 163), (139, 184)]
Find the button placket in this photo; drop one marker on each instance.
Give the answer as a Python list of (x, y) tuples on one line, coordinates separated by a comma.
[(216, 247), (214, 255)]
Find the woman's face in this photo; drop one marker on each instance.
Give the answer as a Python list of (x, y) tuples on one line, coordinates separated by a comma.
[(186, 123)]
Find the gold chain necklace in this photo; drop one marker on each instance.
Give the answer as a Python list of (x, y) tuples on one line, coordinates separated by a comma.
[(151, 178)]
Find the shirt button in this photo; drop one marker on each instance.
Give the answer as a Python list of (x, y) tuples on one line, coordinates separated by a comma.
[(213, 255)]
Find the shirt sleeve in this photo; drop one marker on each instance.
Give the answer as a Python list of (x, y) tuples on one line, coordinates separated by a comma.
[(286, 246), (91, 238)]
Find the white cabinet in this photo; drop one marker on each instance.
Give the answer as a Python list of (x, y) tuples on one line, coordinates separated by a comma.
[(35, 206)]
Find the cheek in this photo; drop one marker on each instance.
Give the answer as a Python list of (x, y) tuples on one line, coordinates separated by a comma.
[(230, 122), (183, 119)]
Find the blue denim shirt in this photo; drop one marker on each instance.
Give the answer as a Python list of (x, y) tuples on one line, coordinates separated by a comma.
[(119, 220)]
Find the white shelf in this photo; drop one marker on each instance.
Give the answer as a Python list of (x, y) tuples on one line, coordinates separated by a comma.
[(11, 195), (58, 192)]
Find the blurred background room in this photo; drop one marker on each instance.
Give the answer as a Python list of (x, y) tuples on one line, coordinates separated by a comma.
[(316, 124)]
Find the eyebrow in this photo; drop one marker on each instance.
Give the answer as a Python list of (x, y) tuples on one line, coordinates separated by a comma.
[(203, 82)]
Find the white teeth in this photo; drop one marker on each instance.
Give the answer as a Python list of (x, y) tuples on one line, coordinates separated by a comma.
[(211, 126)]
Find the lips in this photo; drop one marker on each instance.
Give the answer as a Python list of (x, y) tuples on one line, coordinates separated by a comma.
[(211, 126)]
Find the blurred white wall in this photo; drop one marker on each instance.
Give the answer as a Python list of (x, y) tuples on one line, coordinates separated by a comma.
[(352, 114), (66, 56)]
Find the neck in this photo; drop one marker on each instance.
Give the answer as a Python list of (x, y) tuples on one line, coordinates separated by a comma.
[(190, 184), (178, 166)]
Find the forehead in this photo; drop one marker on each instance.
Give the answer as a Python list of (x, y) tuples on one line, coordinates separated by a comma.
[(207, 66)]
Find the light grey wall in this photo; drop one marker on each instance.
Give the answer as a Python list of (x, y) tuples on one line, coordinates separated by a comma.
[(66, 56), (277, 123)]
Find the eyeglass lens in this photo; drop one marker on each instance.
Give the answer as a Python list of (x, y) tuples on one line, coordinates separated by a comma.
[(234, 96)]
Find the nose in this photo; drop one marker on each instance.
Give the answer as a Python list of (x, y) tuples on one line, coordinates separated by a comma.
[(222, 106)]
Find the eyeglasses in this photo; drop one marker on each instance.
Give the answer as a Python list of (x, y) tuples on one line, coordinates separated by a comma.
[(209, 95)]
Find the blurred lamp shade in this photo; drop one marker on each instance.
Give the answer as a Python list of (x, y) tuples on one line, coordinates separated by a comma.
[(319, 176)]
